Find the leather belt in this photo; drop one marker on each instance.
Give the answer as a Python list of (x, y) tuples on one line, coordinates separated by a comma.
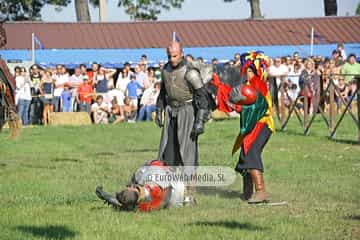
[(176, 104)]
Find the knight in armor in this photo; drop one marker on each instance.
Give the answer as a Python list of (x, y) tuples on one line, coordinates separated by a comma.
[(184, 101), (151, 188)]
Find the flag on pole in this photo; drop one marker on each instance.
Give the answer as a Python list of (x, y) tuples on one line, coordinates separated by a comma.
[(175, 37), (321, 38), (38, 42)]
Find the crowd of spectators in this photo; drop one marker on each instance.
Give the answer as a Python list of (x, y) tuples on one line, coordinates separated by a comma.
[(293, 73), (129, 94), (108, 95)]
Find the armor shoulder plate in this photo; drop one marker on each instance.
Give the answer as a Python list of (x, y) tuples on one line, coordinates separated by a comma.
[(194, 78)]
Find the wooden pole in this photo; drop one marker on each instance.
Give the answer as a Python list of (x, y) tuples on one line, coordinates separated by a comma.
[(282, 100), (357, 78), (332, 104), (306, 105)]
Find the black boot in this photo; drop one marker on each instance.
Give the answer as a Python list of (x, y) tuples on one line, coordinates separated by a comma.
[(248, 187)]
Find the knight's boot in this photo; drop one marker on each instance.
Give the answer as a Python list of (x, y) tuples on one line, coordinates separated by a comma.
[(248, 187), (260, 195)]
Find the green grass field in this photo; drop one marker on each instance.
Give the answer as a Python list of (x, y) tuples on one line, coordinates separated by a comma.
[(48, 178)]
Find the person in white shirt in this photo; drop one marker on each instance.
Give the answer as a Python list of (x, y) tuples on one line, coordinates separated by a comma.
[(75, 80), (123, 80), (118, 94), (23, 93), (100, 110), (61, 79), (148, 102), (280, 72), (294, 77)]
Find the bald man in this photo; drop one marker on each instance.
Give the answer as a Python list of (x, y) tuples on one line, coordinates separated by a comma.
[(185, 103)]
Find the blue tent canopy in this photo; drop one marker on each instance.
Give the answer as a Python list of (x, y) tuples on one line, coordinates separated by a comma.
[(115, 58)]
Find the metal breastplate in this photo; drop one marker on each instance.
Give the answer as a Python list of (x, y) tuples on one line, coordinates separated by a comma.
[(177, 88)]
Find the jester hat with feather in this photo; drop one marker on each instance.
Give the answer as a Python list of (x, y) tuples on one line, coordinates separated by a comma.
[(257, 61)]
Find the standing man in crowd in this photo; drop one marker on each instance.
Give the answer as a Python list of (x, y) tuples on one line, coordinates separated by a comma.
[(185, 101), (75, 80)]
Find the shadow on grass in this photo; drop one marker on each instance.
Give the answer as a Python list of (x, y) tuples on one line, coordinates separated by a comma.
[(345, 141), (353, 217), (292, 132), (48, 232), (2, 165), (105, 154), (230, 225), (66, 160), (211, 191), (143, 150), (37, 166)]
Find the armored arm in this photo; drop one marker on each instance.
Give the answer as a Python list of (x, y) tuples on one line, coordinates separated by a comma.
[(201, 101)]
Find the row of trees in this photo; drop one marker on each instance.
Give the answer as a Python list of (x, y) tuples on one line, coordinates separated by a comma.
[(29, 10)]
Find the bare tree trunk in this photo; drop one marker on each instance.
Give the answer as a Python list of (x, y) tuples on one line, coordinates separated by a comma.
[(255, 9), (82, 11), (102, 11), (330, 7)]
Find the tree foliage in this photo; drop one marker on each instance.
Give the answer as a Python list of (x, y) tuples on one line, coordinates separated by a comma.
[(147, 9), (358, 9), (23, 10)]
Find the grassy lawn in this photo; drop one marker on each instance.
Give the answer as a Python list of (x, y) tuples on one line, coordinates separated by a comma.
[(48, 178)]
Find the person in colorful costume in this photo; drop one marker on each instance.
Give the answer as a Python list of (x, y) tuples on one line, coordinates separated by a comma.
[(147, 191), (253, 101)]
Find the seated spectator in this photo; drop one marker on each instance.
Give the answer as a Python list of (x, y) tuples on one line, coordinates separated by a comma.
[(85, 95), (116, 112), (148, 102), (100, 111), (66, 99), (129, 110)]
